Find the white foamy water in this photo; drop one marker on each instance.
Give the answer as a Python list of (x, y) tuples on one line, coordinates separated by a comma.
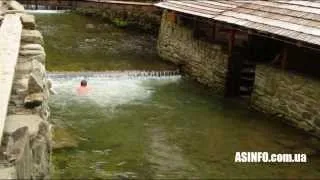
[(106, 89), (46, 11)]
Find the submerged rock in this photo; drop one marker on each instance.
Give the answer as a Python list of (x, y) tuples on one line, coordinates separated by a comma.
[(122, 163), (62, 138), (90, 26)]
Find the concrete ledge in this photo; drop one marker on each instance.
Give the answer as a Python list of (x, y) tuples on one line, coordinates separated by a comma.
[(10, 36)]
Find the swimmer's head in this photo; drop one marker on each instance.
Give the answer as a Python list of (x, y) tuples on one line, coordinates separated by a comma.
[(83, 83)]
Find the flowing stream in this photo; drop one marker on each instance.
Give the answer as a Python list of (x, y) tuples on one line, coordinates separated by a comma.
[(142, 120)]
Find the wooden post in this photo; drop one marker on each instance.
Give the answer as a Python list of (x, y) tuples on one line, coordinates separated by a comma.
[(232, 34), (284, 60), (36, 4), (214, 32), (171, 16)]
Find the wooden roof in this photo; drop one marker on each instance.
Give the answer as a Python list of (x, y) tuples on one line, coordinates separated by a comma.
[(295, 19)]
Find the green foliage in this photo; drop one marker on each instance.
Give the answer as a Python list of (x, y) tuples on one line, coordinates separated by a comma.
[(120, 22)]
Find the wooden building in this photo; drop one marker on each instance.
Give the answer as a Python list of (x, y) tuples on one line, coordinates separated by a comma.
[(268, 51), (255, 31)]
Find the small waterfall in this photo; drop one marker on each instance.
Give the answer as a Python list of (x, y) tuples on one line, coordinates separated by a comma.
[(48, 9), (139, 75), (111, 88)]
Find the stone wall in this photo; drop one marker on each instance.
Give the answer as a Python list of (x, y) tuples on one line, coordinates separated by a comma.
[(26, 143), (135, 15), (204, 61), (292, 96)]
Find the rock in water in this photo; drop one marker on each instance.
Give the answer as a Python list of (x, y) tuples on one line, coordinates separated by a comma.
[(62, 138), (90, 26)]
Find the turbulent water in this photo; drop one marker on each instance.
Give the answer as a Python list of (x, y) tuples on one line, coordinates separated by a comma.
[(145, 126)]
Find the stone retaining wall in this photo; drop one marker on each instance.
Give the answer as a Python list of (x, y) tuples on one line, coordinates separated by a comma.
[(26, 143), (140, 16), (206, 62), (292, 96)]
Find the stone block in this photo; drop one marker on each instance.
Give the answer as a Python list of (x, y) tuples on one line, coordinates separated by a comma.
[(31, 36), (31, 52), (14, 5), (23, 67), (36, 47), (35, 83), (8, 172), (317, 121), (20, 85), (20, 140), (30, 57), (37, 80), (28, 21), (33, 100), (14, 122)]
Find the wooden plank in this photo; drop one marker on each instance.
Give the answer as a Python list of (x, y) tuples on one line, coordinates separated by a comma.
[(314, 4), (287, 6), (220, 3), (173, 8), (210, 5), (197, 7), (273, 22), (281, 17)]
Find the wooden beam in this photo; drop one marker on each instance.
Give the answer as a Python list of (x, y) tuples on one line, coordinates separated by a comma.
[(284, 59), (214, 32), (232, 34)]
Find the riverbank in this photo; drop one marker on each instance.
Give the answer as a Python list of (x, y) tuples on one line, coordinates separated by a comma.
[(134, 16)]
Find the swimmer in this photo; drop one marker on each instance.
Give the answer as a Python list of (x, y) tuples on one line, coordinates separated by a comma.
[(83, 89)]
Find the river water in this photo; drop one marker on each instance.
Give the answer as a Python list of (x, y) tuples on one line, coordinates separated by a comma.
[(152, 127)]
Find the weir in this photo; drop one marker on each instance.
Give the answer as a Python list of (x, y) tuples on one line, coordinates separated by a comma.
[(119, 74)]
